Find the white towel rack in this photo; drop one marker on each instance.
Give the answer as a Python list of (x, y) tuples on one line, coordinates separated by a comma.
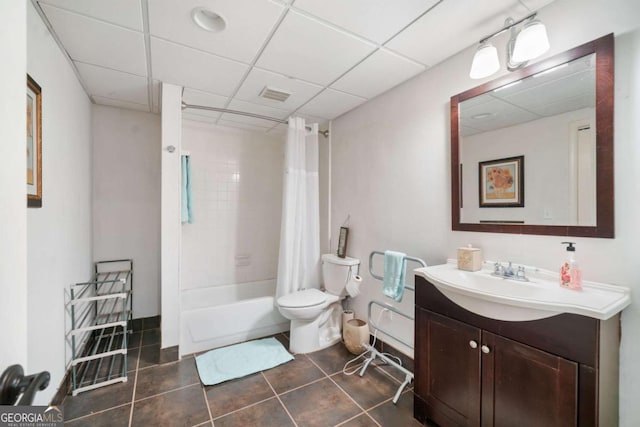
[(374, 353)]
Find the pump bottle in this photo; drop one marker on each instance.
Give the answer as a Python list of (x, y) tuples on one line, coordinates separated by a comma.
[(570, 273)]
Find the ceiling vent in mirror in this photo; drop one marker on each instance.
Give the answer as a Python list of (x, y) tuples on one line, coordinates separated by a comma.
[(274, 94)]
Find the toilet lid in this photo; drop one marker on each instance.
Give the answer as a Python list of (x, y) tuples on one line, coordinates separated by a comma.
[(306, 298)]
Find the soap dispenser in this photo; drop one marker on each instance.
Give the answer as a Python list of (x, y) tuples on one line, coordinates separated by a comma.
[(570, 273)]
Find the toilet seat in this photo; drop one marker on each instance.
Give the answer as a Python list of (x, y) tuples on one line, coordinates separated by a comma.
[(301, 299)]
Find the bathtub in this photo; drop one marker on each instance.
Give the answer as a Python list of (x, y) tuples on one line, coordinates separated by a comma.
[(221, 315)]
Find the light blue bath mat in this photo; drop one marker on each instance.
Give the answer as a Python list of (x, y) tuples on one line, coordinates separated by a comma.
[(239, 360)]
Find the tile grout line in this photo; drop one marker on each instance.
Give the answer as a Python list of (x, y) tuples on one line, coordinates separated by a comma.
[(356, 416), (279, 400), (135, 380), (245, 407), (206, 402), (95, 413), (336, 384), (167, 392)]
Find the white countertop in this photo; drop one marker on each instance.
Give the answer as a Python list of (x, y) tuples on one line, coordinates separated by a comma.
[(506, 299)]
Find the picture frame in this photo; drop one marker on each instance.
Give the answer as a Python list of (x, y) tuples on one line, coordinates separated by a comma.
[(342, 242), (34, 143), (501, 183)]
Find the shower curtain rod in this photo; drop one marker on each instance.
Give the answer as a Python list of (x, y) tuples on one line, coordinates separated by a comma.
[(324, 133)]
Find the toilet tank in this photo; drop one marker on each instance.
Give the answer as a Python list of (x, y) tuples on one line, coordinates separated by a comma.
[(335, 272)]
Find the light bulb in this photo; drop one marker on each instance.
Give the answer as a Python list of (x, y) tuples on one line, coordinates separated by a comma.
[(531, 42), (485, 61)]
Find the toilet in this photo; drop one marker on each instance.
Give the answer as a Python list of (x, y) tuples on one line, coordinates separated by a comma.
[(316, 315)]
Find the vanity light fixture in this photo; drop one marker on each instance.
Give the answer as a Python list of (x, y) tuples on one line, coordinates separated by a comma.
[(208, 20), (525, 44)]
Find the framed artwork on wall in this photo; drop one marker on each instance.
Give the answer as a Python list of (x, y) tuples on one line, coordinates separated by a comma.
[(34, 144), (501, 183)]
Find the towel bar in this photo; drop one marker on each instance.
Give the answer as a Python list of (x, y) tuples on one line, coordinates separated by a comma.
[(374, 353)]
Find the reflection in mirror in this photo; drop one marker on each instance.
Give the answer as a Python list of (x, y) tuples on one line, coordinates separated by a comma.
[(549, 118), (556, 118)]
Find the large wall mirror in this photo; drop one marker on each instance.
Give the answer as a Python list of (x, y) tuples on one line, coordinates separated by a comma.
[(532, 152)]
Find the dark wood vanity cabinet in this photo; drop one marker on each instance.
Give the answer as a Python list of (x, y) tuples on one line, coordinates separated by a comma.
[(475, 371)]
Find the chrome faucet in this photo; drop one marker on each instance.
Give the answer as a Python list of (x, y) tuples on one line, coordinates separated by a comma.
[(508, 273)]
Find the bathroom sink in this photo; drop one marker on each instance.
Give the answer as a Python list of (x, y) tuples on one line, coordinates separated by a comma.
[(504, 299)]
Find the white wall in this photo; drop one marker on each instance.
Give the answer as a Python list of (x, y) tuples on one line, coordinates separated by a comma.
[(59, 233), (126, 198), (390, 171), (13, 211), (237, 204)]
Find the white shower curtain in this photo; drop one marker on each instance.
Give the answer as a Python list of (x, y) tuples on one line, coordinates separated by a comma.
[(299, 259)]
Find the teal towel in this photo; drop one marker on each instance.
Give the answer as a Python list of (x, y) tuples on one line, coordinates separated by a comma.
[(186, 214), (239, 360), (393, 280)]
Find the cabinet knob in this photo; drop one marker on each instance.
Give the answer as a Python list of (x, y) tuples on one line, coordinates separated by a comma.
[(485, 349), (473, 344)]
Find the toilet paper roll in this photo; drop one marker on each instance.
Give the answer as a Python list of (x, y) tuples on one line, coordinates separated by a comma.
[(353, 286), (346, 316)]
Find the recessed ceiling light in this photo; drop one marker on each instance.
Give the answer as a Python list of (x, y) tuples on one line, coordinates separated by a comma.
[(208, 20), (482, 116)]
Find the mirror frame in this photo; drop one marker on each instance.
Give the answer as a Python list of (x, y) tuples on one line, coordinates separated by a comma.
[(603, 47)]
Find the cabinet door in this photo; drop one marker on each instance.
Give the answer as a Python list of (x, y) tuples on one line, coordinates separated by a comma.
[(526, 387), (448, 369)]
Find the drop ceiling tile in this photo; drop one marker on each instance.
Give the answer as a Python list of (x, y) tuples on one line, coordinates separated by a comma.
[(492, 113), (109, 83), (120, 104), (376, 20), (127, 13), (277, 113), (255, 109), (241, 124), (306, 49), (248, 23), (453, 26), (96, 42), (257, 79), (322, 123), (534, 5), (180, 65), (196, 97), (378, 73), (331, 104)]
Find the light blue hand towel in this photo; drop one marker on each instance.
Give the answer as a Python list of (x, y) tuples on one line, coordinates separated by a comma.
[(394, 267)]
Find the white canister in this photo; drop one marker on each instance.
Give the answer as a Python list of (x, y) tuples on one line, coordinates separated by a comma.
[(356, 333)]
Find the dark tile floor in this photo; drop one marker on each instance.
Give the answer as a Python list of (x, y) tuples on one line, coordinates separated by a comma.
[(308, 391)]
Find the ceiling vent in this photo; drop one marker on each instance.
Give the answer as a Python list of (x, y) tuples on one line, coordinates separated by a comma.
[(274, 94)]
